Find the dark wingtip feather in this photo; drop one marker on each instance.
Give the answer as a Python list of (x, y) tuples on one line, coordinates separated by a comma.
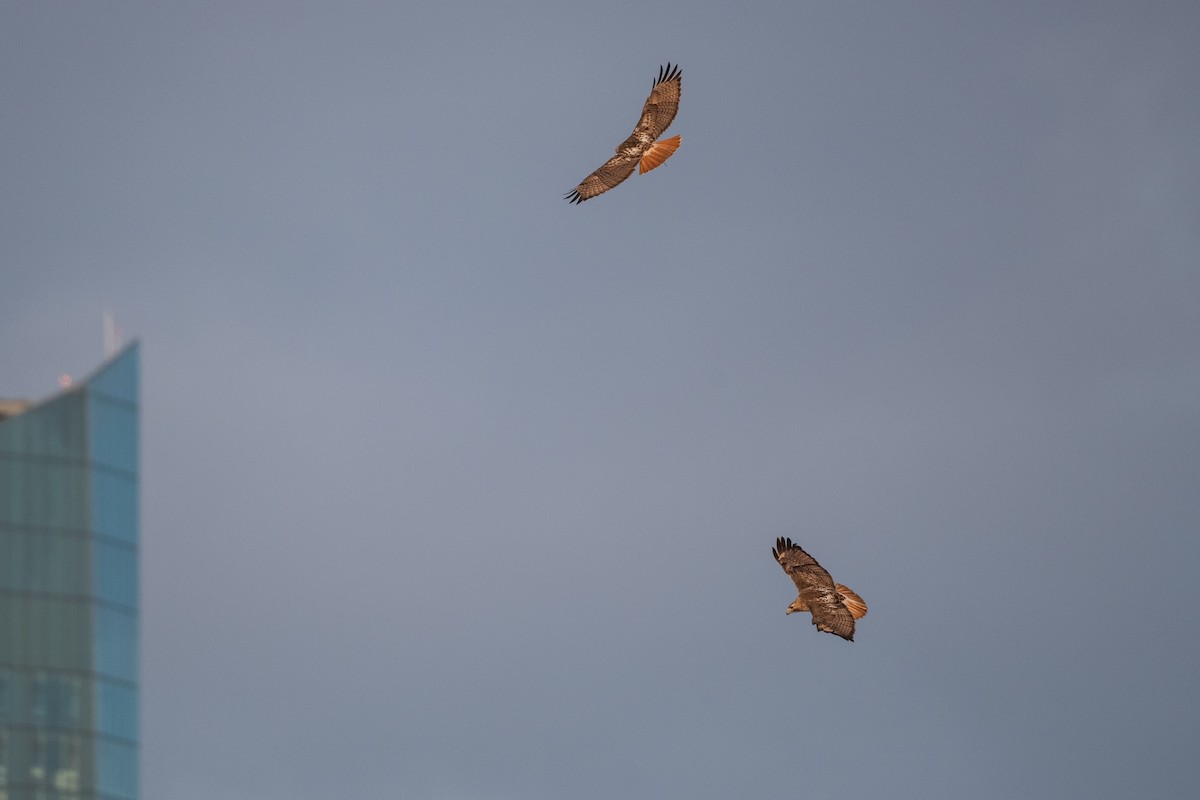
[(667, 73), (782, 545)]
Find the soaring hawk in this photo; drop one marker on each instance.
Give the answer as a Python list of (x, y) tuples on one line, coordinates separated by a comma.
[(834, 607), (642, 148)]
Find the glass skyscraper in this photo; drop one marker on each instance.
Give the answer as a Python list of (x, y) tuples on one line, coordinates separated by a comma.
[(69, 591)]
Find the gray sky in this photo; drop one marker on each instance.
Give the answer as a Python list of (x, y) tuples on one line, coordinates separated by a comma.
[(454, 491)]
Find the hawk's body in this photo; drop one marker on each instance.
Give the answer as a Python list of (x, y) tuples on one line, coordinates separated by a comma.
[(834, 607), (642, 148)]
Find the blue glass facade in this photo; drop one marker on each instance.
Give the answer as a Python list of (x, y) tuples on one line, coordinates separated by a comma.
[(69, 592)]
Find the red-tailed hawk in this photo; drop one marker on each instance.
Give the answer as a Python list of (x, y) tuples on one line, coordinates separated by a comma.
[(641, 148), (834, 607)]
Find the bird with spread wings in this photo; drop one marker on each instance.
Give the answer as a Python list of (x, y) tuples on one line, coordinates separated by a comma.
[(642, 148), (834, 607)]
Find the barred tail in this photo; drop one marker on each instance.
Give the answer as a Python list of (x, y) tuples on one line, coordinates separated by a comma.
[(659, 152), (854, 604)]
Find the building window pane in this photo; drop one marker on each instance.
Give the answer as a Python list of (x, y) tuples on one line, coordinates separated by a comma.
[(116, 768), (116, 643), (116, 710), (114, 504), (116, 573)]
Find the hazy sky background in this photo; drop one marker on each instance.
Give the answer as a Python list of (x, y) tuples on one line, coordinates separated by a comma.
[(453, 491)]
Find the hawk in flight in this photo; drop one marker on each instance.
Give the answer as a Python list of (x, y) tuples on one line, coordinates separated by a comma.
[(834, 607), (642, 148)]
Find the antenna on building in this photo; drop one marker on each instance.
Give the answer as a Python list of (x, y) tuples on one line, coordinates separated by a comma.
[(112, 335)]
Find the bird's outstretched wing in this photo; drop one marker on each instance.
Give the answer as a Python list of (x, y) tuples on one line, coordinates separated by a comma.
[(615, 170), (816, 591), (642, 147), (661, 106)]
